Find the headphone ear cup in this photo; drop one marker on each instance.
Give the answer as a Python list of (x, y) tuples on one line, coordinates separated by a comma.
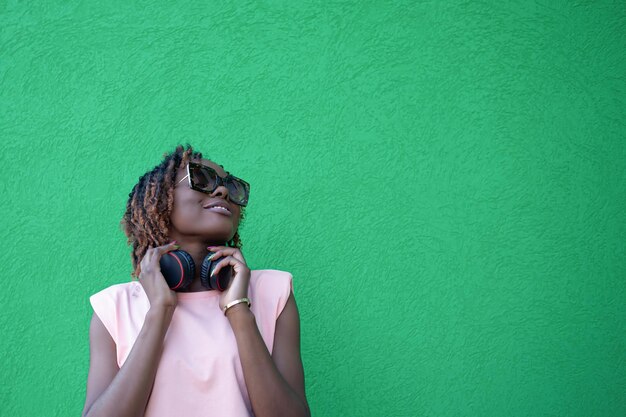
[(178, 269), (219, 281), (205, 272)]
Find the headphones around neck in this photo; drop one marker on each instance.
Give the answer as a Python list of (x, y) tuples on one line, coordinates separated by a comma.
[(178, 268)]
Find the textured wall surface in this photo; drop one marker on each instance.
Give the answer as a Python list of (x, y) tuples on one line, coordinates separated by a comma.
[(444, 180)]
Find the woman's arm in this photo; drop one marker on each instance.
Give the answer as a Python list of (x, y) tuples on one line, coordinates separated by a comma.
[(275, 383), (122, 392), (113, 391)]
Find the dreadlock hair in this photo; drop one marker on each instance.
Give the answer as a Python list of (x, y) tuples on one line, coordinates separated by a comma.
[(146, 221)]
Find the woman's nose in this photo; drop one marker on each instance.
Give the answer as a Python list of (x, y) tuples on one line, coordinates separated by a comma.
[(221, 191)]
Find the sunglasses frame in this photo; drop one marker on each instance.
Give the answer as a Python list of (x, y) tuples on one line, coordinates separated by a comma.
[(220, 181)]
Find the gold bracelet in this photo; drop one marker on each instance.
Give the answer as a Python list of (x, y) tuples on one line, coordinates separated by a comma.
[(232, 303)]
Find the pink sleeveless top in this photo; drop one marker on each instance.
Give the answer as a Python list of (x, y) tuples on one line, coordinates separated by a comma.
[(200, 371)]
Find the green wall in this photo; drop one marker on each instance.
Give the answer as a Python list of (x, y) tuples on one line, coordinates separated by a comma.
[(444, 180)]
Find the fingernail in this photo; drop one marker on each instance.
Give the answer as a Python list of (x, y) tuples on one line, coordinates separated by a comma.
[(177, 246), (211, 257)]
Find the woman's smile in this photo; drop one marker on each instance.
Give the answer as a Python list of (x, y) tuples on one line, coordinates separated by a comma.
[(220, 210)]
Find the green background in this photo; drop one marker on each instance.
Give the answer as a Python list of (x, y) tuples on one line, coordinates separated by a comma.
[(445, 181)]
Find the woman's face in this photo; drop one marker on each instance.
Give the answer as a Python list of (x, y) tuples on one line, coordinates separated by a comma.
[(189, 216)]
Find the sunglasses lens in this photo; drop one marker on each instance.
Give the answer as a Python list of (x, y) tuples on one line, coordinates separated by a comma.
[(237, 191), (205, 179), (202, 178)]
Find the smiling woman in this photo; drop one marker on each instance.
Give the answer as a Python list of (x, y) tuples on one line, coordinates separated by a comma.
[(161, 348)]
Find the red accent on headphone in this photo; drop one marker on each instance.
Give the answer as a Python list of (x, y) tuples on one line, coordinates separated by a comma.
[(217, 280), (182, 271)]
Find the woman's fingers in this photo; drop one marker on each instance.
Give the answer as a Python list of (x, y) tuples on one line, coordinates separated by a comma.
[(153, 255), (160, 250), (226, 250), (228, 260)]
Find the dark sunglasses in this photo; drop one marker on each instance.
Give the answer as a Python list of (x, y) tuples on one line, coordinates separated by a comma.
[(205, 179)]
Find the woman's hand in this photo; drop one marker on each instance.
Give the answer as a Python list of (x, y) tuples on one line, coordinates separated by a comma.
[(238, 287), (153, 282)]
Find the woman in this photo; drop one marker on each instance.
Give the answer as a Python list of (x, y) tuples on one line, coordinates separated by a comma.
[(194, 351)]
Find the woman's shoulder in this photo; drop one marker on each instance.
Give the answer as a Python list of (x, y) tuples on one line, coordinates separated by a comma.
[(270, 276), (269, 272), (271, 284), (115, 291)]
